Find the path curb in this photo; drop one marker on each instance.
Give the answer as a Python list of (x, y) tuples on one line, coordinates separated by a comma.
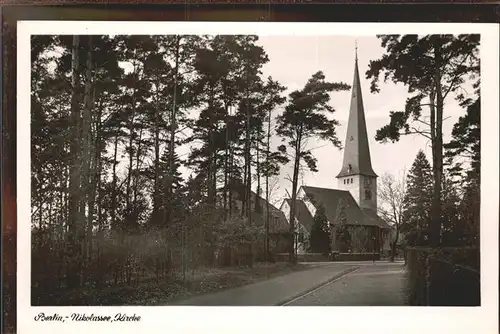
[(333, 278)]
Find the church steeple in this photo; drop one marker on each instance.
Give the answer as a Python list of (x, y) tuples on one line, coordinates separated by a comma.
[(357, 159)]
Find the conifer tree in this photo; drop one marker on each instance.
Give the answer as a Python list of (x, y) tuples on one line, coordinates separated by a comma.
[(451, 220), (319, 239), (432, 67), (417, 201), (465, 146)]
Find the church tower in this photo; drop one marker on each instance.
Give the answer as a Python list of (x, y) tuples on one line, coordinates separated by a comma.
[(357, 174)]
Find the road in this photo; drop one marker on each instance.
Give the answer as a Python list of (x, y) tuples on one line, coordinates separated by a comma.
[(324, 284), (375, 284)]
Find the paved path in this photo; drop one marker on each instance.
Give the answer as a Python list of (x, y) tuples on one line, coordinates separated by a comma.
[(274, 291), (378, 284)]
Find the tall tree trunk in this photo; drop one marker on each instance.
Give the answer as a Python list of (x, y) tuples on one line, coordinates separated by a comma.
[(137, 167), (173, 127), (258, 208), (210, 190), (97, 191), (60, 225), (245, 196), (434, 218), (268, 215), (214, 178), (231, 180), (211, 150), (74, 231), (226, 164), (295, 182), (131, 150), (85, 176), (249, 163), (94, 180), (438, 165), (96, 175), (40, 213), (248, 160), (156, 138), (114, 185)]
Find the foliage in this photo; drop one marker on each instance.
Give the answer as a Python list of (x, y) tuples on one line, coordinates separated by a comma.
[(465, 145), (305, 118), (417, 199), (432, 67), (108, 116), (438, 278)]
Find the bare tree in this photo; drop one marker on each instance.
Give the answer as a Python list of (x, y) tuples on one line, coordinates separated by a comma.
[(392, 193)]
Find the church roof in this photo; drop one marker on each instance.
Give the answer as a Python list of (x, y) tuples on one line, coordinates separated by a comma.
[(357, 151), (303, 214), (330, 200), (278, 222)]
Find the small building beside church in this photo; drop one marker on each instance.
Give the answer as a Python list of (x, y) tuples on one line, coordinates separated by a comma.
[(351, 209)]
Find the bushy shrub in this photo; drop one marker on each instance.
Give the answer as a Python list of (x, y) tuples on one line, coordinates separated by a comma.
[(442, 277)]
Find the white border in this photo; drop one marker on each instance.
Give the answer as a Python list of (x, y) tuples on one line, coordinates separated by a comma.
[(250, 319)]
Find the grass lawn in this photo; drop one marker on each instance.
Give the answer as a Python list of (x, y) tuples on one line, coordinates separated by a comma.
[(198, 281)]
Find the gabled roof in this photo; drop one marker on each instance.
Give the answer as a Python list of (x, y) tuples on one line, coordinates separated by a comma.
[(356, 152), (302, 213), (331, 198)]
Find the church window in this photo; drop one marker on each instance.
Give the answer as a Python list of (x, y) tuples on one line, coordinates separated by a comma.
[(349, 168), (351, 179), (368, 195), (344, 181)]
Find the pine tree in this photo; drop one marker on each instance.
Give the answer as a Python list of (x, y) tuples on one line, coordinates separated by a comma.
[(465, 146), (303, 119), (451, 220), (417, 202), (470, 213), (432, 67), (319, 239)]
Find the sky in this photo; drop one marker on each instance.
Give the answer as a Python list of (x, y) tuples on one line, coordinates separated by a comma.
[(293, 59)]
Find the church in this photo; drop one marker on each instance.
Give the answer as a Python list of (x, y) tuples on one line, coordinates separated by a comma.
[(351, 209)]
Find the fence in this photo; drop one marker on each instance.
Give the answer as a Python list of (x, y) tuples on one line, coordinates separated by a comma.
[(443, 277)]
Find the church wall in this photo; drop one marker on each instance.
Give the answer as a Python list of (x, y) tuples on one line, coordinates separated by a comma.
[(350, 183), (388, 238), (302, 196), (285, 208), (301, 245)]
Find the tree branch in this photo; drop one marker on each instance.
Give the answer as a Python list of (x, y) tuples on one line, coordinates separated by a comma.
[(423, 133), (456, 76)]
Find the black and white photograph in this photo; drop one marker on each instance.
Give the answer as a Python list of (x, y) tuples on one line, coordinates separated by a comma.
[(255, 169)]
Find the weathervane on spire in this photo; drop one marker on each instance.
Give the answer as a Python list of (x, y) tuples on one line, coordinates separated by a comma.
[(356, 49)]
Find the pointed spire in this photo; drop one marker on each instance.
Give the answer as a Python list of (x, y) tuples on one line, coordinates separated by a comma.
[(356, 50), (356, 149)]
